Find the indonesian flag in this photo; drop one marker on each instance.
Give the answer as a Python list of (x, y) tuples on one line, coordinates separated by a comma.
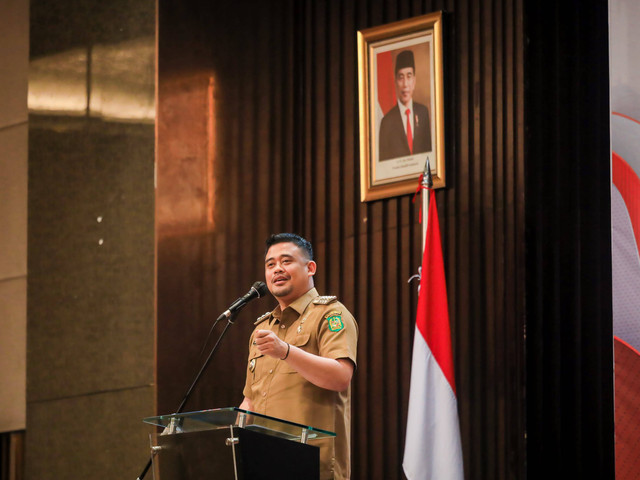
[(432, 447)]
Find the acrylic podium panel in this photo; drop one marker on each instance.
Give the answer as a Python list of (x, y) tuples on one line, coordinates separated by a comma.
[(230, 443)]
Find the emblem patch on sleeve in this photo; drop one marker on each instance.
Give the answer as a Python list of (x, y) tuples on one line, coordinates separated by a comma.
[(335, 321)]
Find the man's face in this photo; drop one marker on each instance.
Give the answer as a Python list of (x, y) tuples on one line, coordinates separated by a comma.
[(288, 272), (405, 84)]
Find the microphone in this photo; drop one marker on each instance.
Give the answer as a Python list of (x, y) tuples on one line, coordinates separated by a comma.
[(257, 290)]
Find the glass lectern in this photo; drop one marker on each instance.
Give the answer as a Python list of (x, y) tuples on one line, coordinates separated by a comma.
[(231, 443)]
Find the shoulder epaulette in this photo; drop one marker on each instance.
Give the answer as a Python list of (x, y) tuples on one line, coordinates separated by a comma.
[(325, 299), (262, 318)]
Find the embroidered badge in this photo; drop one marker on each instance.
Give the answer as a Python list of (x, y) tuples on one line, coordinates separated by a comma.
[(252, 365), (335, 321)]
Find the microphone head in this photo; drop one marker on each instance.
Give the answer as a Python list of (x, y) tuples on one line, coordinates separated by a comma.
[(261, 288)]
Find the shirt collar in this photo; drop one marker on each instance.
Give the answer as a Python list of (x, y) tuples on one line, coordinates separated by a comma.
[(300, 304), (403, 108)]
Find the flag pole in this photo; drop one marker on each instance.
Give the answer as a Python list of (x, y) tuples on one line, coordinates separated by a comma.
[(427, 184)]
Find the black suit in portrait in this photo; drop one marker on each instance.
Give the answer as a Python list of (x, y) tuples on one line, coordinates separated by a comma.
[(393, 139)]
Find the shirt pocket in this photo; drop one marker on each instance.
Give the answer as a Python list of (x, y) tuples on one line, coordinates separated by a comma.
[(254, 365), (300, 341)]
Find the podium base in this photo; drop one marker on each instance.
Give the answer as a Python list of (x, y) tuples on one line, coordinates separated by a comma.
[(210, 454)]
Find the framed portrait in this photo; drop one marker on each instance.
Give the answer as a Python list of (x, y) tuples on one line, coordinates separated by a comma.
[(400, 82)]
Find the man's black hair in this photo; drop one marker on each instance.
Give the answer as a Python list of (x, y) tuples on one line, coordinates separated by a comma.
[(302, 243)]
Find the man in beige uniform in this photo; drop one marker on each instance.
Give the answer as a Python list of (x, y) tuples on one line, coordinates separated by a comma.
[(302, 354)]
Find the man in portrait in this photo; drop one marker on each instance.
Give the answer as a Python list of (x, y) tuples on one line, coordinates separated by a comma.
[(406, 128)]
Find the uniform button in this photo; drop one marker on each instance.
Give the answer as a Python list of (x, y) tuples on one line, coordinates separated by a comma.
[(271, 371), (264, 394), (283, 326)]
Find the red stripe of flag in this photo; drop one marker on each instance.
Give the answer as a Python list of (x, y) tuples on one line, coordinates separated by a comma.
[(432, 318), (386, 84)]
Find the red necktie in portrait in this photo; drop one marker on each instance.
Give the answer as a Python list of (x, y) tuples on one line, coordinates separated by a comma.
[(409, 134)]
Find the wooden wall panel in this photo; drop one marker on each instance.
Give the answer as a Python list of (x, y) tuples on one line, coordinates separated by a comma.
[(286, 158)]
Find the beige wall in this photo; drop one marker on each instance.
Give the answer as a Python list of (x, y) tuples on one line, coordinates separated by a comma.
[(14, 57), (90, 303)]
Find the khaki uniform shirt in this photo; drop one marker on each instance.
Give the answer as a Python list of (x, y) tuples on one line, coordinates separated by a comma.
[(324, 327)]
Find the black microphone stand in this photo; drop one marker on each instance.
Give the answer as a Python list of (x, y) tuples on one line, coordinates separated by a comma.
[(230, 321)]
